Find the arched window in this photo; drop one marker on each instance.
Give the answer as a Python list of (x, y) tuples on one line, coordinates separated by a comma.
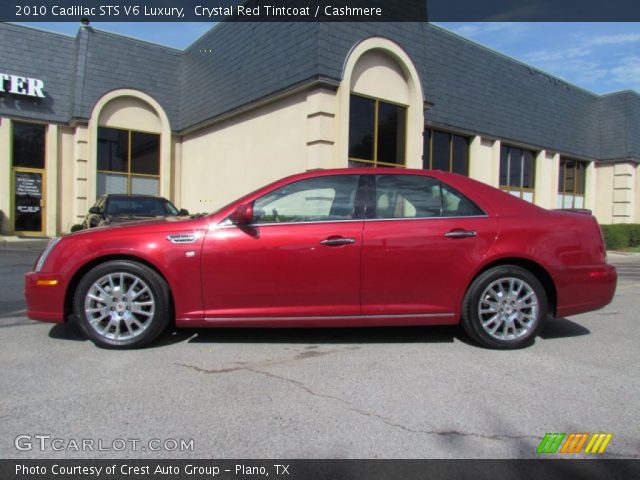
[(377, 132), (128, 162)]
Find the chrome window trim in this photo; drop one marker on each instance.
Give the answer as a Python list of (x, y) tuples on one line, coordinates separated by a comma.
[(423, 218), (311, 222), (220, 224)]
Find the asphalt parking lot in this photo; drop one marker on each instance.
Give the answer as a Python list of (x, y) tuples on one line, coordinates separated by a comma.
[(349, 393)]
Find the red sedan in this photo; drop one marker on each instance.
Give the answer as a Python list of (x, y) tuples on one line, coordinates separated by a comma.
[(332, 248)]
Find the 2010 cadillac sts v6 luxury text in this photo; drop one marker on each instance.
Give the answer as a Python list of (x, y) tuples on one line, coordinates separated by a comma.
[(352, 247)]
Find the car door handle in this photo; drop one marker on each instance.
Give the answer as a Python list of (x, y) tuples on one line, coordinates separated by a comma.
[(461, 234), (337, 241)]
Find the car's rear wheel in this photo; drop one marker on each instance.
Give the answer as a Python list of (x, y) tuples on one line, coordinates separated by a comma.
[(504, 307), (122, 304)]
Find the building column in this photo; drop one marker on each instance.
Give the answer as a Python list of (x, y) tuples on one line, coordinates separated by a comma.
[(623, 193), (6, 176), (591, 187), (84, 185), (484, 160), (321, 129), (603, 196), (546, 181), (176, 169), (636, 196), (166, 144), (51, 173)]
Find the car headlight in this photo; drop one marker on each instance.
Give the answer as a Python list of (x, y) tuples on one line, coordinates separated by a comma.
[(45, 253)]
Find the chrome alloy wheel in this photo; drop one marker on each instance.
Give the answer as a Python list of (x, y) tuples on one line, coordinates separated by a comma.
[(119, 306), (508, 308)]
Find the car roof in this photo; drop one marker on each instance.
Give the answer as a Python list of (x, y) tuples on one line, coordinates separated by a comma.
[(489, 198)]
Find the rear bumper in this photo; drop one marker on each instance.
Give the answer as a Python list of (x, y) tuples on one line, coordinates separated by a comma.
[(583, 289), (45, 300)]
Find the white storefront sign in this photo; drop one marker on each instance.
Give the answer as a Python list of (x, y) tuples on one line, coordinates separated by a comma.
[(17, 85)]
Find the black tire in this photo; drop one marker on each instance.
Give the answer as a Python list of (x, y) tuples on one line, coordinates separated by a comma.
[(504, 307), (122, 304)]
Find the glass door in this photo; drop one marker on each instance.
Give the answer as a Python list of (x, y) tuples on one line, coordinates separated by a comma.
[(28, 187), (28, 160)]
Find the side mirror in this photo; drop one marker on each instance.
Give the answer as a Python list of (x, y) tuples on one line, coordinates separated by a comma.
[(242, 215), (95, 210), (184, 212)]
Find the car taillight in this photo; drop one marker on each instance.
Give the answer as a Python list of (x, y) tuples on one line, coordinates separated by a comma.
[(603, 243)]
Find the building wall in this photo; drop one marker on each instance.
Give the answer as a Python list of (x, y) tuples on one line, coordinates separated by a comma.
[(233, 157), (5, 175), (235, 64)]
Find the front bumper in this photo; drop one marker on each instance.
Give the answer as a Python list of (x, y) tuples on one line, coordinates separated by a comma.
[(44, 294)]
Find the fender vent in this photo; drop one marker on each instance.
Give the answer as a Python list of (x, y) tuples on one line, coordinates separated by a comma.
[(183, 238)]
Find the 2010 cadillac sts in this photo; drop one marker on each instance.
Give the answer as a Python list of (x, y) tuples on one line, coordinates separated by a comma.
[(351, 247)]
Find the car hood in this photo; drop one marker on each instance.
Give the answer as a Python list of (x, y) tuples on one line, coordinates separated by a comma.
[(139, 224)]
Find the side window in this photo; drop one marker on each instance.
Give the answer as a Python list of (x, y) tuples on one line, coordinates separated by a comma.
[(413, 196), (315, 199), (454, 204), (407, 196), (170, 208)]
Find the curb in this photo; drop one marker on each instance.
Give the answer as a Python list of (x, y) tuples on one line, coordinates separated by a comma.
[(16, 239)]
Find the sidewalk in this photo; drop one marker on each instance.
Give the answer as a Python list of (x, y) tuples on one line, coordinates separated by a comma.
[(14, 238), (9, 242), (615, 254)]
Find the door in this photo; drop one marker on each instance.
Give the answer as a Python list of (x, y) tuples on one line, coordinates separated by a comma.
[(28, 182), (420, 247), (28, 187), (299, 258)]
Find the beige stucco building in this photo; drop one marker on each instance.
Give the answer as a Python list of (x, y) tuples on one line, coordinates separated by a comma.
[(208, 124)]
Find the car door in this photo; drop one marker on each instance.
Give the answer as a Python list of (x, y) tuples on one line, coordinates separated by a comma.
[(299, 258), (420, 246)]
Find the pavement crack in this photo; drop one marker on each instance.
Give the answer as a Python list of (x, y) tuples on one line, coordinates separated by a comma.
[(291, 381), (208, 371), (298, 384), (389, 422)]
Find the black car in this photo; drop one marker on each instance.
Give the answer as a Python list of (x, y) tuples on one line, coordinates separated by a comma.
[(113, 208)]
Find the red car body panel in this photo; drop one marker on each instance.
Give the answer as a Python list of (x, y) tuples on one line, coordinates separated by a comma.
[(261, 272), (396, 271), (399, 256)]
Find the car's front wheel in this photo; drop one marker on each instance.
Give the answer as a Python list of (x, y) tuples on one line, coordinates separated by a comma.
[(122, 304), (504, 307)]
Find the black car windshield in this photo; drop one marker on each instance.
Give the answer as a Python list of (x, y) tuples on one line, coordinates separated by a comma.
[(140, 207)]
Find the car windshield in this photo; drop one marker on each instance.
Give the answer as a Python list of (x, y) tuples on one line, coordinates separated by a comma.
[(141, 207)]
